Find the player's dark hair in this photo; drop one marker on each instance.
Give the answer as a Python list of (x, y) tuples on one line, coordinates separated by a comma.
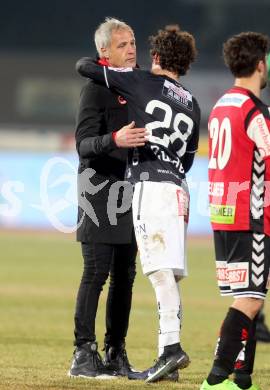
[(175, 48), (243, 52)]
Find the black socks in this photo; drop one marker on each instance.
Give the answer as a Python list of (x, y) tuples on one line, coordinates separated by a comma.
[(243, 381), (172, 349), (234, 331)]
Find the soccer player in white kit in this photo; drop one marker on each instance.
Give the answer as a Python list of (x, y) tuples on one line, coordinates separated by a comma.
[(157, 101)]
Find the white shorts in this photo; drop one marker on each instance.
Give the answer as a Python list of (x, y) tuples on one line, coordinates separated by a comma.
[(160, 214)]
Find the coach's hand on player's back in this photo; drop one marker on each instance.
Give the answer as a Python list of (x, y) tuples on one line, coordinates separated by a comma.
[(130, 136)]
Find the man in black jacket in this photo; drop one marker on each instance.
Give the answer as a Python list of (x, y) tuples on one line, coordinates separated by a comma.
[(105, 227)]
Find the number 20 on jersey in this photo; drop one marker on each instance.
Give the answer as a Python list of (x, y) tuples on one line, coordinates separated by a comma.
[(221, 136)]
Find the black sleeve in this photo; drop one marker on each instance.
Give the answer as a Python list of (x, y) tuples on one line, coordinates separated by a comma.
[(87, 67), (192, 145), (119, 79), (89, 142)]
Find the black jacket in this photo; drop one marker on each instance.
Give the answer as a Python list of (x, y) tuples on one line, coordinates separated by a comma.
[(101, 112)]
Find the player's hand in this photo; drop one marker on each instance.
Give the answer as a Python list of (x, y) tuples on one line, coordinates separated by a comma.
[(130, 136)]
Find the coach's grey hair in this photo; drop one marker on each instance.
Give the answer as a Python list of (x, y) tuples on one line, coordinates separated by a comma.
[(103, 33)]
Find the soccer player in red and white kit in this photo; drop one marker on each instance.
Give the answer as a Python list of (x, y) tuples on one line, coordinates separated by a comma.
[(239, 178)]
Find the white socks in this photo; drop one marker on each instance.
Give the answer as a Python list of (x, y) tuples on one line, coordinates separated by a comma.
[(169, 307)]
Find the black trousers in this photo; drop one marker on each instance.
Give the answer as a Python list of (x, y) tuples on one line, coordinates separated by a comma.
[(100, 260)]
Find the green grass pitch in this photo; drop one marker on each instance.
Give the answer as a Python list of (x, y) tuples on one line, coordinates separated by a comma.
[(39, 277)]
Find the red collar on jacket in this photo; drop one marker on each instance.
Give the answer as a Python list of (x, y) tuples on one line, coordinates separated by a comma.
[(103, 62)]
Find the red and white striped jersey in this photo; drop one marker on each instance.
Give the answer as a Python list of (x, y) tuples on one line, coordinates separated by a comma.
[(239, 162)]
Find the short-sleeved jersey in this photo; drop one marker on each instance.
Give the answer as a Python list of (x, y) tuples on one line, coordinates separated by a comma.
[(165, 108), (239, 165)]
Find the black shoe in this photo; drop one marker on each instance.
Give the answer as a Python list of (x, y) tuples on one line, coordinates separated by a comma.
[(87, 363), (116, 359), (166, 364), (262, 332), (142, 376), (172, 377)]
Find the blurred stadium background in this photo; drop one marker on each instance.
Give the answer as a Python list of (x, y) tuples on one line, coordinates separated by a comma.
[(39, 45), (39, 274)]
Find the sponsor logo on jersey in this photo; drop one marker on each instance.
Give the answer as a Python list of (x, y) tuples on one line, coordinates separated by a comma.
[(232, 99), (216, 188), (222, 214), (258, 132), (168, 172), (120, 69), (178, 94), (163, 156)]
